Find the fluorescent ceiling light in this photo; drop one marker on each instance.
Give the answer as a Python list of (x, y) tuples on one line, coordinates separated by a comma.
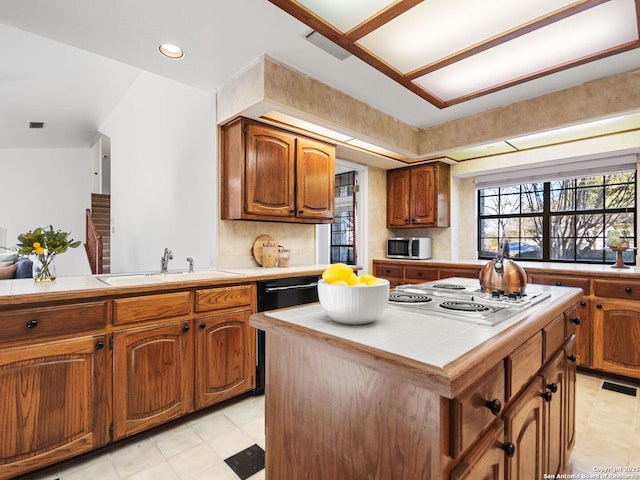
[(450, 51)]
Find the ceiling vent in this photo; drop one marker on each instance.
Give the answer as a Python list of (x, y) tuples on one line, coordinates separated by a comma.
[(36, 124), (327, 45)]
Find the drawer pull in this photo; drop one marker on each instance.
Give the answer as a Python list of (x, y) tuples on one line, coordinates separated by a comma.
[(203, 326), (547, 396), (32, 324), (628, 290), (583, 303), (185, 327), (572, 358), (576, 320), (558, 284), (509, 448), (494, 405), (553, 387), (598, 306)]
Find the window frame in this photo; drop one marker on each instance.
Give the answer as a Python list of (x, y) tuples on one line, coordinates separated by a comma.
[(546, 214)]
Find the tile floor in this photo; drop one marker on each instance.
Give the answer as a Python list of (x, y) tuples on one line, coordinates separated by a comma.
[(607, 435)]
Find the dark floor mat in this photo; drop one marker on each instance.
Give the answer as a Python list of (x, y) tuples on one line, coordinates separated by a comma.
[(247, 462), (614, 387)]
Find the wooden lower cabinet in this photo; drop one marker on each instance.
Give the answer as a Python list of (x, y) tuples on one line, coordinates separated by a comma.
[(486, 460), (555, 397), (616, 336), (153, 376), (524, 427), (225, 357), (55, 402)]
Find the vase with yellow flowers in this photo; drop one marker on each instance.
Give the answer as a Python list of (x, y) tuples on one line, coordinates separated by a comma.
[(45, 244)]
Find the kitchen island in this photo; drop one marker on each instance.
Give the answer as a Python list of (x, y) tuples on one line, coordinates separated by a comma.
[(416, 397)]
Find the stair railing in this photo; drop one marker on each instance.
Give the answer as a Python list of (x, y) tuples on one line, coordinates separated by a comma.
[(93, 245)]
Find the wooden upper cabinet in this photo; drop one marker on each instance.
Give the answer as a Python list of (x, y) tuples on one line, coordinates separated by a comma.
[(418, 196), (398, 198), (315, 179), (270, 167), (271, 174)]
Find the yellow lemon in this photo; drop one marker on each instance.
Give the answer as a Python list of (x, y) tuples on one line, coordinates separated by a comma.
[(368, 279), (340, 282), (353, 279), (337, 271)]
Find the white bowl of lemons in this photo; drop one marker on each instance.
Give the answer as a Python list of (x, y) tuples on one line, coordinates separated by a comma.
[(349, 299)]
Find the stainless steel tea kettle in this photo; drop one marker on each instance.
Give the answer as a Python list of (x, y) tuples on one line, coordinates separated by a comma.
[(503, 274)]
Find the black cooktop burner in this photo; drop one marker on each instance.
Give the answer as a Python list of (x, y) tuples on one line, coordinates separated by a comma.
[(448, 286), (407, 297), (464, 306)]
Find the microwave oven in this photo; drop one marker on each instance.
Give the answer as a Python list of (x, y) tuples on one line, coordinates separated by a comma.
[(412, 248)]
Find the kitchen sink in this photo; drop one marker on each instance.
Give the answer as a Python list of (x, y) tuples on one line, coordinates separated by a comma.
[(151, 278)]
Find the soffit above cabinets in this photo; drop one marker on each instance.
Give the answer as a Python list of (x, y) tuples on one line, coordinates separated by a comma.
[(451, 51)]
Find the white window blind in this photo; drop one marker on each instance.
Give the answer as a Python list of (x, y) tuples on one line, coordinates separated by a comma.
[(558, 171)]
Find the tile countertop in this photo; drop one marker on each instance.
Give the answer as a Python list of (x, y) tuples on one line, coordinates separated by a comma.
[(570, 268), (412, 339), (22, 290)]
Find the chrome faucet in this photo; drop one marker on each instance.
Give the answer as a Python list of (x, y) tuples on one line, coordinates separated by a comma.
[(164, 262), (190, 260)]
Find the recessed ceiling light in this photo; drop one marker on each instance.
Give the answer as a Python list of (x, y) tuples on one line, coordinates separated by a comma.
[(171, 51)]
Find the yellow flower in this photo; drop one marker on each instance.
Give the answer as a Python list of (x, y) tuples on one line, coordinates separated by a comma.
[(39, 250), (36, 245)]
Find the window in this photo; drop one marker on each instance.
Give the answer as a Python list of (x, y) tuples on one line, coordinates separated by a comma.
[(343, 230), (563, 220)]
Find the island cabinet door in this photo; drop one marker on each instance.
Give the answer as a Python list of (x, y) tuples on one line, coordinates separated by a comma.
[(55, 402), (524, 427), (555, 400), (153, 376), (487, 459), (225, 357)]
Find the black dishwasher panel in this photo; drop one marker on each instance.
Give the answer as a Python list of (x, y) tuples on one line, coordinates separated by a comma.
[(280, 293)]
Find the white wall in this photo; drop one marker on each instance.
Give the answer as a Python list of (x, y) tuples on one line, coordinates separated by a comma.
[(163, 175), (42, 187)]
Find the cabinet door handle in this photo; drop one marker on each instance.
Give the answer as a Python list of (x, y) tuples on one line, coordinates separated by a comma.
[(598, 306), (576, 320), (292, 210), (99, 345), (583, 303), (553, 387), (32, 324), (203, 326), (509, 448), (494, 405), (572, 358), (185, 327), (558, 284), (628, 290), (547, 396)]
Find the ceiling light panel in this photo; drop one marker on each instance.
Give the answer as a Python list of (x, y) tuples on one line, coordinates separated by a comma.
[(439, 28), (345, 14), (595, 30)]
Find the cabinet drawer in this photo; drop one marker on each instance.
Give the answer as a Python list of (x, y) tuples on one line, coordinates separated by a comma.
[(420, 274), (617, 289), (561, 281), (476, 408), (47, 322), (460, 272), (554, 335), (148, 307), (523, 364), (223, 297), (387, 271)]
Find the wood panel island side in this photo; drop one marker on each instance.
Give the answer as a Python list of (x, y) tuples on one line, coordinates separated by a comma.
[(418, 397)]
